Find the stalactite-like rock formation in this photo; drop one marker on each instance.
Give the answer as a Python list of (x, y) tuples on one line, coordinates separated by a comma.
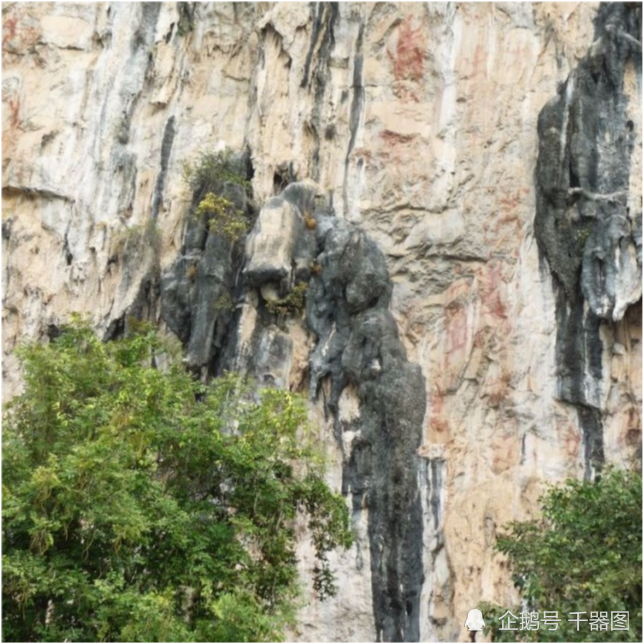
[(442, 248)]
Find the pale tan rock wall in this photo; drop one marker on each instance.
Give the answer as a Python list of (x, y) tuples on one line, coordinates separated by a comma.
[(420, 121)]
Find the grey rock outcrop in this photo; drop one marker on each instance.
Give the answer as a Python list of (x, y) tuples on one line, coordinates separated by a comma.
[(277, 249), (588, 224), (356, 344), (198, 288)]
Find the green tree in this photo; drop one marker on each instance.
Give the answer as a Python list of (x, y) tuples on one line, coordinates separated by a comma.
[(140, 505), (583, 555)]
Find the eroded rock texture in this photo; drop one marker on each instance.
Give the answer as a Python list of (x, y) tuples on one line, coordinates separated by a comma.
[(588, 221), (198, 291), (355, 343), (472, 320), (359, 346)]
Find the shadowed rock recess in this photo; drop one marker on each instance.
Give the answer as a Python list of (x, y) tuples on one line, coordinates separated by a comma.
[(585, 224), (298, 243), (198, 289)]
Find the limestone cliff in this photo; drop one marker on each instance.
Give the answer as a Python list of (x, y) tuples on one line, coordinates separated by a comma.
[(452, 192)]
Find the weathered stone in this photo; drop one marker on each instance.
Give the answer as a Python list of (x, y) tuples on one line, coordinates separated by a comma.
[(269, 246), (417, 121), (279, 249), (197, 290), (584, 223)]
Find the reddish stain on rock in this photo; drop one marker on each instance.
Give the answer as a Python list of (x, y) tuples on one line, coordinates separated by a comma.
[(438, 419), (572, 441), (20, 32), (491, 286), (408, 61), (8, 30), (393, 138), (456, 319), (14, 111)]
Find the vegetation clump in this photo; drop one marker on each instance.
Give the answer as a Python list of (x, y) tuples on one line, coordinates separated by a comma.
[(224, 303), (210, 177), (210, 171), (583, 555), (294, 302), (223, 217), (142, 505)]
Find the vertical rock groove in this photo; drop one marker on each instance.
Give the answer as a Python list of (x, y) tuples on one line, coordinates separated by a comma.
[(585, 225)]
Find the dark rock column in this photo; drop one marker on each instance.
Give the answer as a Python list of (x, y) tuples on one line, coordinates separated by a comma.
[(584, 225), (297, 240), (358, 344)]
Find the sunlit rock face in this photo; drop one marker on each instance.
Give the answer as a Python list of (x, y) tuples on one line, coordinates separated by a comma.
[(458, 186)]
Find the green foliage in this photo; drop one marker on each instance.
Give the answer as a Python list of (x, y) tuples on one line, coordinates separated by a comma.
[(211, 171), (583, 555), (582, 234), (224, 303), (135, 237), (186, 19), (192, 272), (223, 218), (294, 302), (208, 177), (140, 505)]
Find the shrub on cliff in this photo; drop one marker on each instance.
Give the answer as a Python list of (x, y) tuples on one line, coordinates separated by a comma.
[(210, 171), (583, 555), (140, 505)]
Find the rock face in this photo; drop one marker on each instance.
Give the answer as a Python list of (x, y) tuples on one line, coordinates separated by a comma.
[(588, 217), (356, 349), (197, 289), (444, 248)]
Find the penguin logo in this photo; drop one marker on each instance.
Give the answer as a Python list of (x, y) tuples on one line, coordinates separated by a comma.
[(474, 622)]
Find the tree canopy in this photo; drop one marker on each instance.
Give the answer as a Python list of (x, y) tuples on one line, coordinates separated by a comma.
[(582, 555), (141, 505)]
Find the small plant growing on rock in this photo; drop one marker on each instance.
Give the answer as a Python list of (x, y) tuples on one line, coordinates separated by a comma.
[(294, 302), (315, 268), (209, 176), (190, 273), (583, 234), (136, 236), (224, 303), (223, 217), (211, 170), (310, 222), (186, 19)]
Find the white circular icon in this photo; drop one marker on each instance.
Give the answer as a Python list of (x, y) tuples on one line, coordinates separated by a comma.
[(475, 622)]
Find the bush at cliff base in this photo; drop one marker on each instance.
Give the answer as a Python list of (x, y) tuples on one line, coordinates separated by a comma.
[(140, 505), (583, 555)]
